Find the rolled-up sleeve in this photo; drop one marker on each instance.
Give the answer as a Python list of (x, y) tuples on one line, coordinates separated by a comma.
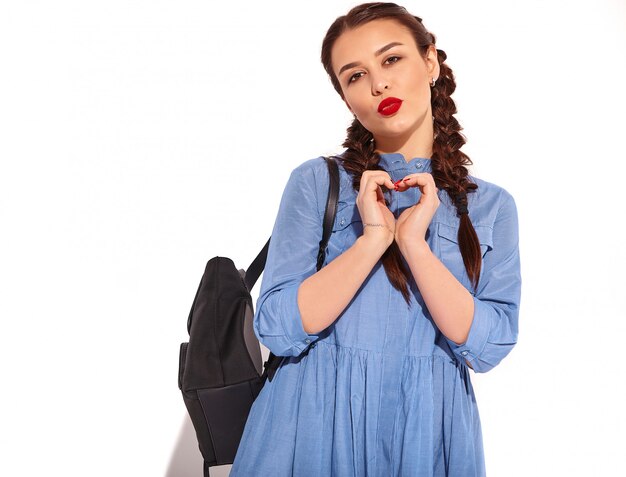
[(494, 329), (291, 258)]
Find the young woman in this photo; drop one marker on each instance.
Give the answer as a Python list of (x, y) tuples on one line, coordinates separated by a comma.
[(421, 281)]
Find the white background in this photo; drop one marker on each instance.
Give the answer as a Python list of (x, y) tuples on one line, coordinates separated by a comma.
[(138, 139)]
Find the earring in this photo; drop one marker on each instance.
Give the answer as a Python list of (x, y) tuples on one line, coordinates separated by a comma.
[(432, 85)]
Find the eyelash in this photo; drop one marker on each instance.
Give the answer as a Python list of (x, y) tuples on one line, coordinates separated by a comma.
[(352, 78)]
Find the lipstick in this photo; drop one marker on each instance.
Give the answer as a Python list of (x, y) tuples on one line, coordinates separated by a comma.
[(389, 106)]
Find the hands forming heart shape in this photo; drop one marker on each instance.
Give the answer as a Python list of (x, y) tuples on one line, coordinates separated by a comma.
[(410, 227)]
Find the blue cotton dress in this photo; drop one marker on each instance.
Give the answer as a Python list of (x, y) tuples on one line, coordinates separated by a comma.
[(381, 392)]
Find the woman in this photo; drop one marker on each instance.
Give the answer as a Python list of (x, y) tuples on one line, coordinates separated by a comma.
[(421, 280)]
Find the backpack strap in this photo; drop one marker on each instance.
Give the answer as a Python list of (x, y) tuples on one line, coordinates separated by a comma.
[(331, 208), (253, 272), (273, 362), (256, 267)]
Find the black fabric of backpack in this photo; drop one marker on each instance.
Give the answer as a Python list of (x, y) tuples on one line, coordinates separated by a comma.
[(220, 372)]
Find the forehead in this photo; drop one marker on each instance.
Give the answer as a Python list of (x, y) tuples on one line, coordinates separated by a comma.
[(362, 42)]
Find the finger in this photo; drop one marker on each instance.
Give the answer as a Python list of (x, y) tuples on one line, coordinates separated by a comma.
[(381, 178), (401, 186), (379, 195), (370, 180), (423, 180)]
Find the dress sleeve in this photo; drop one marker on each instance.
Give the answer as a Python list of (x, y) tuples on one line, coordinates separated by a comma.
[(291, 258), (494, 328)]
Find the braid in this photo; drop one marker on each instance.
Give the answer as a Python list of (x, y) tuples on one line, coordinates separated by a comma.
[(361, 156), (449, 165)]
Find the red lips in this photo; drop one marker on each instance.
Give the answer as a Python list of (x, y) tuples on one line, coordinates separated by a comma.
[(389, 106)]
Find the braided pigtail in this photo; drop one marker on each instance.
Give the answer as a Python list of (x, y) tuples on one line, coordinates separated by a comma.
[(360, 156), (449, 165)]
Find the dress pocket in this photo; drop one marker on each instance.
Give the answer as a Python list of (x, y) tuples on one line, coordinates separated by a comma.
[(450, 253), (348, 226)]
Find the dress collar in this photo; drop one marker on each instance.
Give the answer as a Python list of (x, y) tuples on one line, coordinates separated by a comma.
[(395, 160)]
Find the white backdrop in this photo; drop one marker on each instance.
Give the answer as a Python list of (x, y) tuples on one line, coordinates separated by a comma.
[(138, 139)]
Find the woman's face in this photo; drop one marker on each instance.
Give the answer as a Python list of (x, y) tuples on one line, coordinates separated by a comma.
[(380, 60)]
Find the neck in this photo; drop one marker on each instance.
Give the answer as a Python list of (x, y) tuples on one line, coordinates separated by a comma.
[(417, 144)]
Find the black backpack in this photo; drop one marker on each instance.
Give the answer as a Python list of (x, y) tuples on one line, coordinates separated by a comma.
[(220, 372)]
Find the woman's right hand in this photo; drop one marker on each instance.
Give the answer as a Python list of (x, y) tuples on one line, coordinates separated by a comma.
[(372, 206)]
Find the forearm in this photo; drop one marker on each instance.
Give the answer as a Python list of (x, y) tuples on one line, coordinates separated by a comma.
[(325, 294), (448, 301)]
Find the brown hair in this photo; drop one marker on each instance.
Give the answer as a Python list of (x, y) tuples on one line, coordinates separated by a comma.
[(448, 162)]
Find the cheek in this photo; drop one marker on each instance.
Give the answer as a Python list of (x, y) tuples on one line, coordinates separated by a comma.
[(413, 79), (357, 99), (360, 111), (421, 88), (423, 96)]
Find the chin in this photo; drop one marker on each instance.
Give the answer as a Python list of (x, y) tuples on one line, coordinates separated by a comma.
[(396, 127), (394, 131)]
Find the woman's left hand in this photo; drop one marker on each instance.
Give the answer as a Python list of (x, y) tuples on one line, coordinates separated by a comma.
[(412, 224)]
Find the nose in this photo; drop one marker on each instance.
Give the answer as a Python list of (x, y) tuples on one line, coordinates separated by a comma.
[(379, 85)]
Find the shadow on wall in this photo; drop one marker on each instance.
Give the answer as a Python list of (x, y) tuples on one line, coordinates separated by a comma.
[(186, 460)]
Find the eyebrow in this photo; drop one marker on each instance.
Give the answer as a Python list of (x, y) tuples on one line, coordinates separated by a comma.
[(377, 53)]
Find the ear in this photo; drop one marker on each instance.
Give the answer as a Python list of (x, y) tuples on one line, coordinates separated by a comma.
[(432, 63)]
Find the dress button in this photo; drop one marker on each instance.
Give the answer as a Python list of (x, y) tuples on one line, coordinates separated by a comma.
[(464, 353), (343, 221), (307, 341), (418, 164)]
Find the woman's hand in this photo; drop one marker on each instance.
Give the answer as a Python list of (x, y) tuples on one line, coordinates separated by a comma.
[(372, 206), (412, 224)]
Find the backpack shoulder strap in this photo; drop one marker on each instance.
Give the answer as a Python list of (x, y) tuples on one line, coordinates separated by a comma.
[(331, 207), (253, 272)]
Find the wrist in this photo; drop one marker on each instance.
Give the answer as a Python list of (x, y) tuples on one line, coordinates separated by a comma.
[(414, 249), (378, 232), (374, 243), (365, 224)]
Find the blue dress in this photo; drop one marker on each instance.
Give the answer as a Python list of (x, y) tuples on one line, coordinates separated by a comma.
[(381, 392)]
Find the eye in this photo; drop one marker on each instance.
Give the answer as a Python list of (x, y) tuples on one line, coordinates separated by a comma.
[(355, 77), (392, 59)]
